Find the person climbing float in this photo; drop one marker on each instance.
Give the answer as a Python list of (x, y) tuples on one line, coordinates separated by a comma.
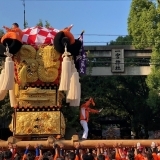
[(85, 110), (12, 38)]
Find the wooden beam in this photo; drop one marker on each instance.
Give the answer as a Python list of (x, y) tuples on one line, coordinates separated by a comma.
[(69, 144)]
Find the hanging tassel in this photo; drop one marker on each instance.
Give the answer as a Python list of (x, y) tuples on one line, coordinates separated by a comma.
[(69, 92), (76, 102), (12, 97), (3, 93), (66, 71), (73, 96), (73, 87), (2, 78), (67, 100), (8, 82)]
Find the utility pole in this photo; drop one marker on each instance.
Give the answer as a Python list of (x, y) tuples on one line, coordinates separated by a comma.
[(24, 18)]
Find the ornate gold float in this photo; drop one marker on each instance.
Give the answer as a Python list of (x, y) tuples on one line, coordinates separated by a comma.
[(38, 109)]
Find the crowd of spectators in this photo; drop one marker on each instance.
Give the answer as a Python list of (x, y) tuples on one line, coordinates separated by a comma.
[(100, 152)]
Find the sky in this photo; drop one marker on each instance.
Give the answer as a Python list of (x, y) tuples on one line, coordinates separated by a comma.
[(102, 20)]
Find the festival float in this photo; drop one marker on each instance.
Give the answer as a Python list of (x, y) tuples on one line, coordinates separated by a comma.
[(38, 73)]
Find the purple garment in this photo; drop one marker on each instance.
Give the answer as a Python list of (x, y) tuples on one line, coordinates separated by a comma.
[(82, 57)]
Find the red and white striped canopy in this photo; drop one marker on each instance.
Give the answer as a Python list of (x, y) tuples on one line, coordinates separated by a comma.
[(39, 35)]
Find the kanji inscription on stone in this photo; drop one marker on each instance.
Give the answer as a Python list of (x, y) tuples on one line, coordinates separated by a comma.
[(117, 65)]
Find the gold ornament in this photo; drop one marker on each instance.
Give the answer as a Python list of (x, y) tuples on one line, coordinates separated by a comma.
[(27, 70), (52, 122), (27, 51), (37, 97), (47, 75)]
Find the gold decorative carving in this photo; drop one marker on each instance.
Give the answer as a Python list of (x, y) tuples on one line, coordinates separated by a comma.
[(28, 123), (48, 74), (41, 53), (27, 69), (50, 56), (27, 52), (37, 97), (16, 86), (42, 65)]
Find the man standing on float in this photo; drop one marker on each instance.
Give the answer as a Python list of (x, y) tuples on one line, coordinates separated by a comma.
[(84, 115)]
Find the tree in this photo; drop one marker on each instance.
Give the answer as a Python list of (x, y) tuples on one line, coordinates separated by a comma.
[(5, 112), (144, 27), (121, 96), (153, 82), (142, 23), (126, 40), (1, 32), (47, 24), (40, 23)]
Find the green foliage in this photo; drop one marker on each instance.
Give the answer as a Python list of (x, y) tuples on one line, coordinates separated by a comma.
[(119, 96), (89, 62), (154, 100), (126, 40), (142, 23), (153, 80), (5, 110), (71, 115), (47, 24), (155, 57), (41, 24), (144, 27), (1, 32), (157, 35)]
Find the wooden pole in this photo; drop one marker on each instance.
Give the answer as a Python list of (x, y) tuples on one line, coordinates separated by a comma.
[(69, 144), (107, 143)]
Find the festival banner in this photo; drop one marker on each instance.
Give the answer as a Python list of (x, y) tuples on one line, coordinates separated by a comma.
[(82, 57)]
